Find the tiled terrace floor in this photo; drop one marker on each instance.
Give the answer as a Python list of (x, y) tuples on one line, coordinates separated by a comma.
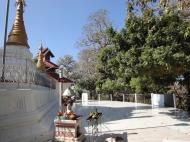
[(140, 122)]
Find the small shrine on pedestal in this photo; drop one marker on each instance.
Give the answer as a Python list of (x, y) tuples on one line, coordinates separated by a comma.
[(68, 123)]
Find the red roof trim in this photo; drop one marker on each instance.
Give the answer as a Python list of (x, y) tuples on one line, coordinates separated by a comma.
[(65, 80), (56, 76), (49, 64)]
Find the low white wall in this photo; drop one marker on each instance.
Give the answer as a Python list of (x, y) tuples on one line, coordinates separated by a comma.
[(85, 97), (157, 100), (15, 101), (27, 114)]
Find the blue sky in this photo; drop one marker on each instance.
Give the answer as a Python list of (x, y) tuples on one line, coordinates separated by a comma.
[(58, 23)]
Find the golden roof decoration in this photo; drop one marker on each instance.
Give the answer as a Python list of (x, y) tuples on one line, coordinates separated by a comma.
[(18, 35), (40, 64)]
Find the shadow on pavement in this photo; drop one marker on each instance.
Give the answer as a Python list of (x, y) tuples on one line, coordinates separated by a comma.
[(108, 137), (178, 114), (109, 113)]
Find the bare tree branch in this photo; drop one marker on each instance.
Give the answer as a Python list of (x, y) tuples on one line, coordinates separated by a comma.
[(94, 32)]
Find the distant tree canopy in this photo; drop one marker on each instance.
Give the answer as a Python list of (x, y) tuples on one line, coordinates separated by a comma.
[(86, 68), (94, 32), (69, 65), (93, 38)]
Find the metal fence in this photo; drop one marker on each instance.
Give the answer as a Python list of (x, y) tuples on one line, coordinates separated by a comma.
[(140, 98)]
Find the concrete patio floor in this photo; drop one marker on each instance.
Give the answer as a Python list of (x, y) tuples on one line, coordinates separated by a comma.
[(140, 122)]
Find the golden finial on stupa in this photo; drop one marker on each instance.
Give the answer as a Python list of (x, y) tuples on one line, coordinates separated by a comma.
[(18, 35), (40, 64)]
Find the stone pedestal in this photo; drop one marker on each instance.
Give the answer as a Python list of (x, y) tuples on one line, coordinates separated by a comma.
[(68, 130)]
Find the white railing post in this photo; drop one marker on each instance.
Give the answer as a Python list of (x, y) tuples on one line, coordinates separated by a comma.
[(60, 90), (123, 97), (174, 100), (136, 101), (111, 97), (99, 95)]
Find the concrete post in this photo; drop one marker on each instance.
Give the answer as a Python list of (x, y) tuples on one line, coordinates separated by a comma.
[(99, 95), (136, 101), (123, 97), (174, 100), (60, 90), (5, 40), (111, 97)]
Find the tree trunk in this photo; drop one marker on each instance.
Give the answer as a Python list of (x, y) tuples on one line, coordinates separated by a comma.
[(188, 102)]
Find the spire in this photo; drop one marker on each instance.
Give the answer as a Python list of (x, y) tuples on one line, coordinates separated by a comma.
[(18, 35), (40, 64)]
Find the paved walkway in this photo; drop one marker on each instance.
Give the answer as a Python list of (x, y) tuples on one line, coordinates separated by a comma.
[(140, 122)]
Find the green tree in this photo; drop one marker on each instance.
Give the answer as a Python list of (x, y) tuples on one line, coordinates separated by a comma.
[(149, 54), (111, 71), (166, 52)]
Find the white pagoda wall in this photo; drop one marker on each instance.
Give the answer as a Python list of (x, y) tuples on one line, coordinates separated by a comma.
[(27, 114), (18, 64), (27, 110)]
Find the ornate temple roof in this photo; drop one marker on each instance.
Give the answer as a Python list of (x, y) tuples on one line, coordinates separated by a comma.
[(49, 66), (18, 35), (47, 52)]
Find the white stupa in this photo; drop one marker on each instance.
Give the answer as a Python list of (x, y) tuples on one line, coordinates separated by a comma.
[(28, 101), (18, 59)]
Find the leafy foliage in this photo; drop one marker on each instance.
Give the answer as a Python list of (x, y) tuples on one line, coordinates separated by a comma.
[(147, 55)]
